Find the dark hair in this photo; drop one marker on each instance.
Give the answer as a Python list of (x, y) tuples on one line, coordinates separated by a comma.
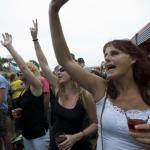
[(81, 60), (12, 76), (141, 71)]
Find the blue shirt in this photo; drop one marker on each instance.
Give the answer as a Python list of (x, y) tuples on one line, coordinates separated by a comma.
[(5, 86)]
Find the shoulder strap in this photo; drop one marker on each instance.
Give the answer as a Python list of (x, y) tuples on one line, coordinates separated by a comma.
[(103, 108)]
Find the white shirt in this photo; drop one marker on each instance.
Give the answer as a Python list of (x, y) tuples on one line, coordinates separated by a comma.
[(115, 132)]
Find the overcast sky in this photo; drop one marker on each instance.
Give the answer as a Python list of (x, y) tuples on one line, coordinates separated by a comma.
[(87, 25)]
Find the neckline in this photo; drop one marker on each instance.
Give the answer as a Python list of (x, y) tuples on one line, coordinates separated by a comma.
[(118, 109), (71, 108)]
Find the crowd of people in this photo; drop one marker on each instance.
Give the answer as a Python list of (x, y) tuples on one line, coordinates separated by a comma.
[(75, 107)]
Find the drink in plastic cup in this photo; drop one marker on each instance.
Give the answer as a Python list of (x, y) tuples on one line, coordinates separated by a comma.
[(17, 112), (135, 117), (60, 137)]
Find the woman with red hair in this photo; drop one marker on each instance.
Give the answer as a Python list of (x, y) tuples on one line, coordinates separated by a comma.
[(127, 87)]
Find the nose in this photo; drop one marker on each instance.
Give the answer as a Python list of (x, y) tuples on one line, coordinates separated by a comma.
[(107, 58)]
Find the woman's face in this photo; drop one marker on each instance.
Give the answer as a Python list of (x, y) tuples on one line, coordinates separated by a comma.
[(63, 76), (118, 63)]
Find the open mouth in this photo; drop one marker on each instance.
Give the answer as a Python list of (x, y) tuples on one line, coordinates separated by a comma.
[(110, 66)]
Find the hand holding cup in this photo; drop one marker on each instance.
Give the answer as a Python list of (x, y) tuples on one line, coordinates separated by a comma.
[(17, 112)]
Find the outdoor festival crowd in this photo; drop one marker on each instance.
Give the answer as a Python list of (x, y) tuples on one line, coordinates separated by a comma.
[(73, 106)]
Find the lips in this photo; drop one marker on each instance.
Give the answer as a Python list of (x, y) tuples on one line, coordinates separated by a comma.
[(110, 66)]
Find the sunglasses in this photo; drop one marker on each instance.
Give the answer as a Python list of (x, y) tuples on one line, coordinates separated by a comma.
[(61, 69)]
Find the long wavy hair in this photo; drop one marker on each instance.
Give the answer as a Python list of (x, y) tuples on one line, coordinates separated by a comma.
[(74, 87), (33, 68), (141, 71)]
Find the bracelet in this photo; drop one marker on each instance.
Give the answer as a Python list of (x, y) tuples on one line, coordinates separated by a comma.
[(35, 40)]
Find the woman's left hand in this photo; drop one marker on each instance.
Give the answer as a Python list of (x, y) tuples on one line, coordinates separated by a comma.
[(68, 143), (143, 133)]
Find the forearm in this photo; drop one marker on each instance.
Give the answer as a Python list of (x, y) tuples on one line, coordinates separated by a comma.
[(86, 132), (39, 53), (1, 95), (46, 102), (19, 60), (58, 39)]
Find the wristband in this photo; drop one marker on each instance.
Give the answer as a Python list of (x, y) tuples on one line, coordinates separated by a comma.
[(35, 40)]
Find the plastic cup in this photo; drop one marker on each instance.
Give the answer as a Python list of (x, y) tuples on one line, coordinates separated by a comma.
[(17, 112), (60, 137), (135, 117)]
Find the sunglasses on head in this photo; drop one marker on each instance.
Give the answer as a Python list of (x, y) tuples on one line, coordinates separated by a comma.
[(61, 69)]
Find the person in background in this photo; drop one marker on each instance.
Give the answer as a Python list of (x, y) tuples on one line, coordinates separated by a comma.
[(15, 88), (30, 110), (4, 117), (69, 109), (45, 87), (81, 62), (127, 87)]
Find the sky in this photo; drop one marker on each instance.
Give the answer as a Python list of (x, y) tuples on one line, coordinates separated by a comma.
[(87, 25)]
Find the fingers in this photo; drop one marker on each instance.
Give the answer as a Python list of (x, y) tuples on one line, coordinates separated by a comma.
[(1, 42), (143, 140), (6, 37), (140, 134), (142, 137), (35, 24), (3, 35), (143, 127)]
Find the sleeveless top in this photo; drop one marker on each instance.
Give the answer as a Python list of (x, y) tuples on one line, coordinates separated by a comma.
[(33, 119), (115, 132), (69, 121)]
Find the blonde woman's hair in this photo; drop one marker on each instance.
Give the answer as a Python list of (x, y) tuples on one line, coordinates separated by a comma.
[(33, 68), (75, 87)]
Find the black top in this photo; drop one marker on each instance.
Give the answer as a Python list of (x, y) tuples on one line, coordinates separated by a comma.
[(69, 121), (33, 119)]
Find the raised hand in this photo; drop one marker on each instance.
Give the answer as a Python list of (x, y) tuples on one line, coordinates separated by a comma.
[(34, 29), (7, 40), (57, 4)]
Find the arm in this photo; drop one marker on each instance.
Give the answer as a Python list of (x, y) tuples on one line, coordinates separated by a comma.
[(41, 58), (31, 79), (88, 81), (1, 95)]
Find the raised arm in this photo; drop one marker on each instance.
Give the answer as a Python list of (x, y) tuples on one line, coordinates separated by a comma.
[(41, 58), (89, 81), (31, 79)]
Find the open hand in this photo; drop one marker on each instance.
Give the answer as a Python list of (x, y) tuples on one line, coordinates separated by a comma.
[(7, 40)]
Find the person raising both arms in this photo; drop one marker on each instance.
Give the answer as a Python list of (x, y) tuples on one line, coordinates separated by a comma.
[(127, 87)]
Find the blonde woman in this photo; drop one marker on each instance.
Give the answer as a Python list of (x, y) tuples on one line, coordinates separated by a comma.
[(70, 107), (30, 108)]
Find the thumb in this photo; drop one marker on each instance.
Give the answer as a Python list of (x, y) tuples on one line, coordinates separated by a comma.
[(2, 42)]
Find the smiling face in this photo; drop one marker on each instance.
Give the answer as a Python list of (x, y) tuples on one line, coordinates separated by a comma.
[(63, 76), (118, 63)]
